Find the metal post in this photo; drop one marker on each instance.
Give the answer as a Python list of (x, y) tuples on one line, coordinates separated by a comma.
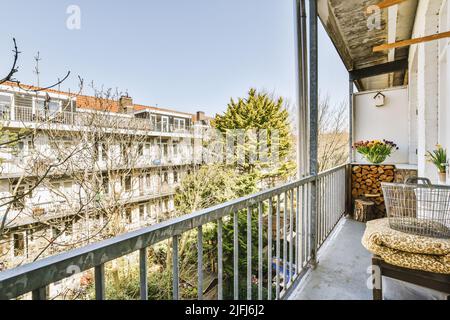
[(350, 147), (235, 256), (277, 251), (302, 91), (176, 279), (285, 209), (260, 250), (143, 274), (313, 121), (100, 282), (269, 250), (39, 294), (219, 260), (249, 253), (350, 119), (200, 262)]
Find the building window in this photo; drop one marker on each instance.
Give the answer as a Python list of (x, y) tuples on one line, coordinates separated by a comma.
[(30, 234), (165, 124), (127, 183), (153, 120), (124, 150), (140, 149), (165, 150), (69, 228), (165, 177), (19, 201), (128, 215), (175, 150), (30, 144), (141, 183), (105, 184), (149, 210), (19, 148), (166, 204), (96, 154), (141, 212), (5, 107), (175, 177), (104, 151), (56, 231), (47, 106), (148, 181), (67, 186), (180, 124), (19, 244)]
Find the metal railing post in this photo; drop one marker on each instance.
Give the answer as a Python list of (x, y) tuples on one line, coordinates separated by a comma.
[(313, 123), (100, 282), (39, 294), (143, 274)]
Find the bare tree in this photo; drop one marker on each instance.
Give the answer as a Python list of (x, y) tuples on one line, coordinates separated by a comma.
[(101, 159), (333, 134), (9, 76)]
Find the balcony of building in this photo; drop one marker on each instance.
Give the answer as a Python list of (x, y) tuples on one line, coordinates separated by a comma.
[(64, 205), (29, 158), (15, 115), (307, 246)]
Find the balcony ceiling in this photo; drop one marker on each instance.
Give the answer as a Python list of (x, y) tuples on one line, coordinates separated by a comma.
[(346, 24)]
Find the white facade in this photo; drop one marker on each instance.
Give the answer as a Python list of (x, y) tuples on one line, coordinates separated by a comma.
[(136, 160)]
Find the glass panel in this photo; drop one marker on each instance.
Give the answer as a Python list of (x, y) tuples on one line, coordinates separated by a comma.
[(50, 107), (5, 106), (165, 124)]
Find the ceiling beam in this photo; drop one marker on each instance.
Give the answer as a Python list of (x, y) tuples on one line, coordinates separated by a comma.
[(398, 65), (406, 43), (388, 3), (384, 4)]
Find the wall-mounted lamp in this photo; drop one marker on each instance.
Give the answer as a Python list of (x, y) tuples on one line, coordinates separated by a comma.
[(379, 99)]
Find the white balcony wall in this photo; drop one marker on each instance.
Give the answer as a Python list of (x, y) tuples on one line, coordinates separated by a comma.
[(390, 121)]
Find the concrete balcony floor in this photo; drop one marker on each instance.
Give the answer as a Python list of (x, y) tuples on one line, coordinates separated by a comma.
[(342, 270)]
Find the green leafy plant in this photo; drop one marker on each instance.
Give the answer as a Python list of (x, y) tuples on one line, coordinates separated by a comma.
[(439, 158), (375, 151)]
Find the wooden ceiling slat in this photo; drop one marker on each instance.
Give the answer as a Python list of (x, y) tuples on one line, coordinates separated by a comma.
[(409, 42), (389, 3)]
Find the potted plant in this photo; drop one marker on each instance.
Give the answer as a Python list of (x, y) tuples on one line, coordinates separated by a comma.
[(439, 158), (375, 151)]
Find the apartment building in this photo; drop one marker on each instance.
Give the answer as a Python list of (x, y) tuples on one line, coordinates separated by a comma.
[(85, 168)]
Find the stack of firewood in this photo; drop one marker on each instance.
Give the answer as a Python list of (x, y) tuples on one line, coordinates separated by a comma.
[(366, 182)]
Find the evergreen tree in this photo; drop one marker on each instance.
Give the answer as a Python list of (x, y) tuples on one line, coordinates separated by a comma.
[(261, 112)]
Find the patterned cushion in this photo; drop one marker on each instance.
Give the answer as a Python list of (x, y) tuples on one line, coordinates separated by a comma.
[(407, 250)]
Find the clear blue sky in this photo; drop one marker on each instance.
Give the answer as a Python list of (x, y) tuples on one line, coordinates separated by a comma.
[(186, 55)]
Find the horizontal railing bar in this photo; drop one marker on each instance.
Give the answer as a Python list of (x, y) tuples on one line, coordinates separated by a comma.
[(26, 278)]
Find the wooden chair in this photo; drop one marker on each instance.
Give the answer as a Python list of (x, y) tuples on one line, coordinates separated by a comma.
[(430, 280)]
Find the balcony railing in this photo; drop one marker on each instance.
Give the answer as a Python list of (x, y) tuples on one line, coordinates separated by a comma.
[(27, 115), (40, 212), (294, 233)]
